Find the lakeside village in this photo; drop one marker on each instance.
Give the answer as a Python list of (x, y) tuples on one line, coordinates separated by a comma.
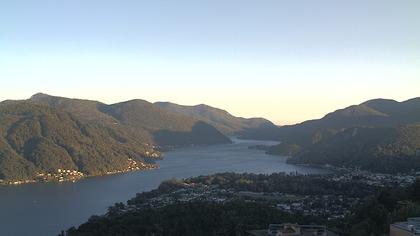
[(329, 206), (341, 175), (66, 175), (333, 199)]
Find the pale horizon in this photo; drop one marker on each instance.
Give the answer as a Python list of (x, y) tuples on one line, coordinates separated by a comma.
[(235, 113), (110, 163), (286, 61)]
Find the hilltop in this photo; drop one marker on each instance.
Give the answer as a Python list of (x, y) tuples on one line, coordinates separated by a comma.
[(380, 134), (221, 119), (45, 133)]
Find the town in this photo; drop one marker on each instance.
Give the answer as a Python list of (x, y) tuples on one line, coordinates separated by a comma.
[(327, 204), (69, 175), (321, 202)]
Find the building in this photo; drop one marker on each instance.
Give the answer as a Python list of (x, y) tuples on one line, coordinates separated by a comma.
[(288, 229), (411, 227)]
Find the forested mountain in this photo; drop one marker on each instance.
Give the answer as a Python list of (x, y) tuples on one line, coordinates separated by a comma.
[(379, 134), (221, 119), (142, 119), (386, 149), (373, 113), (39, 139), (47, 133)]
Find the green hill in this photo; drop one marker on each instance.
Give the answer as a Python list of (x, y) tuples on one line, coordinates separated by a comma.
[(39, 139), (221, 119), (47, 133), (373, 113), (387, 149), (379, 124), (143, 120)]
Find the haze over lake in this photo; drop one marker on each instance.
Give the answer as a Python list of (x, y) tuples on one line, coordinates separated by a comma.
[(48, 208)]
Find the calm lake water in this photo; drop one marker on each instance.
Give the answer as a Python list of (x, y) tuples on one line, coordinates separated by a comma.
[(47, 208)]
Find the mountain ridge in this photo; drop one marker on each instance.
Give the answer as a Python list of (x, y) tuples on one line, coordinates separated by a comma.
[(38, 139), (45, 135), (353, 136), (221, 119)]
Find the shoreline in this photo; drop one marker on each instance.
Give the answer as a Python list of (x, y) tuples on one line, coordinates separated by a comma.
[(73, 180)]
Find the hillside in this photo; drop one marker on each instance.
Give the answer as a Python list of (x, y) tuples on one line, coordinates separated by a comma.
[(221, 119), (389, 150), (380, 124), (143, 120), (39, 139), (373, 113), (45, 134)]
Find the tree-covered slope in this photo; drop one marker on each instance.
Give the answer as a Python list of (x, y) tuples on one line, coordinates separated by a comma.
[(381, 135), (373, 113), (47, 133), (388, 149), (143, 120), (39, 139), (221, 119), (166, 128)]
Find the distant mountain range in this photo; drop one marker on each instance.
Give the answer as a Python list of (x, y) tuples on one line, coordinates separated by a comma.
[(221, 119), (46, 133), (380, 134)]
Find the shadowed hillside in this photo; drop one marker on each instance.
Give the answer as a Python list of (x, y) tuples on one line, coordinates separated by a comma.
[(221, 119), (140, 118), (379, 149), (201, 133), (373, 113), (45, 134), (380, 134), (39, 139)]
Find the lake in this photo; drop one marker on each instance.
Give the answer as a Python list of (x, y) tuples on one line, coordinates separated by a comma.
[(47, 208)]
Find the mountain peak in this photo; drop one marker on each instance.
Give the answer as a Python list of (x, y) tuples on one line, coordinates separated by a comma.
[(39, 95), (380, 103)]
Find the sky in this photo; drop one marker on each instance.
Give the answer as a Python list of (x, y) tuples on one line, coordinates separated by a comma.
[(287, 61)]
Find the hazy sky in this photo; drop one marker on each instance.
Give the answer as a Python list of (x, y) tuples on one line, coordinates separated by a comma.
[(284, 60)]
